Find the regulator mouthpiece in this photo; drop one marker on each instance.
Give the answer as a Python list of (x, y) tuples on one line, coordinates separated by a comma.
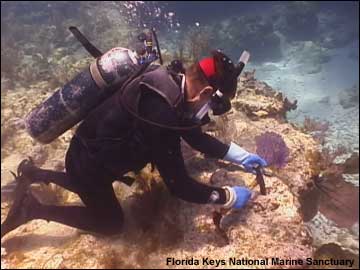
[(203, 111)]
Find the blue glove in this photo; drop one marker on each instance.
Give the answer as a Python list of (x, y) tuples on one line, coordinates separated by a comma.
[(240, 156), (251, 161), (237, 197)]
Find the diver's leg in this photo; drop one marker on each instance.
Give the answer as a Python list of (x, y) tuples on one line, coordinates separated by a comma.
[(102, 212), (36, 174), (59, 178)]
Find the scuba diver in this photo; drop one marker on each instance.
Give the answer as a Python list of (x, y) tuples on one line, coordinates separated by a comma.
[(141, 123)]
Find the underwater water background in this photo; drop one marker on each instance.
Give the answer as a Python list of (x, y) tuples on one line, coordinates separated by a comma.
[(307, 50)]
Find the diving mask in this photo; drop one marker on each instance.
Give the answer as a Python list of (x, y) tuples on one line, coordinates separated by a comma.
[(219, 103)]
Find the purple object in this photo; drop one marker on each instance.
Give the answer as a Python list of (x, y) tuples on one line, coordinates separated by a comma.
[(271, 147)]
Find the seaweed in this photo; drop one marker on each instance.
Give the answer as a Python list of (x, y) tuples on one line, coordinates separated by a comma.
[(155, 212), (339, 201), (323, 161), (335, 198), (309, 202), (315, 125), (318, 129)]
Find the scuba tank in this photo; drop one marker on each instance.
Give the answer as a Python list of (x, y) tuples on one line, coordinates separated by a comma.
[(73, 102)]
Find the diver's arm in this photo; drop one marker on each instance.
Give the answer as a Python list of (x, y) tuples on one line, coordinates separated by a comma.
[(172, 169), (166, 153), (205, 143)]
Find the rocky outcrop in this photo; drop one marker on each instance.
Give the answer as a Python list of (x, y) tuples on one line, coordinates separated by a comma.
[(258, 100)]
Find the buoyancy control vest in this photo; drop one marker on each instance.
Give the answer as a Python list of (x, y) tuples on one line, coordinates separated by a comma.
[(167, 82), (158, 80), (71, 103)]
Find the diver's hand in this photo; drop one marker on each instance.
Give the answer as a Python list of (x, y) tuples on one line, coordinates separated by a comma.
[(251, 161), (240, 156), (237, 197)]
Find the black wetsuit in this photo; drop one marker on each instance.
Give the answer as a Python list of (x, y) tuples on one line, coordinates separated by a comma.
[(92, 165)]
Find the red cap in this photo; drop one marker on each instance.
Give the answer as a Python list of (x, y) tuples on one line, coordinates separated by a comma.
[(208, 67), (220, 72)]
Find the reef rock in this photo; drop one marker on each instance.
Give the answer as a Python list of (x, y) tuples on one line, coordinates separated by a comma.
[(257, 99)]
